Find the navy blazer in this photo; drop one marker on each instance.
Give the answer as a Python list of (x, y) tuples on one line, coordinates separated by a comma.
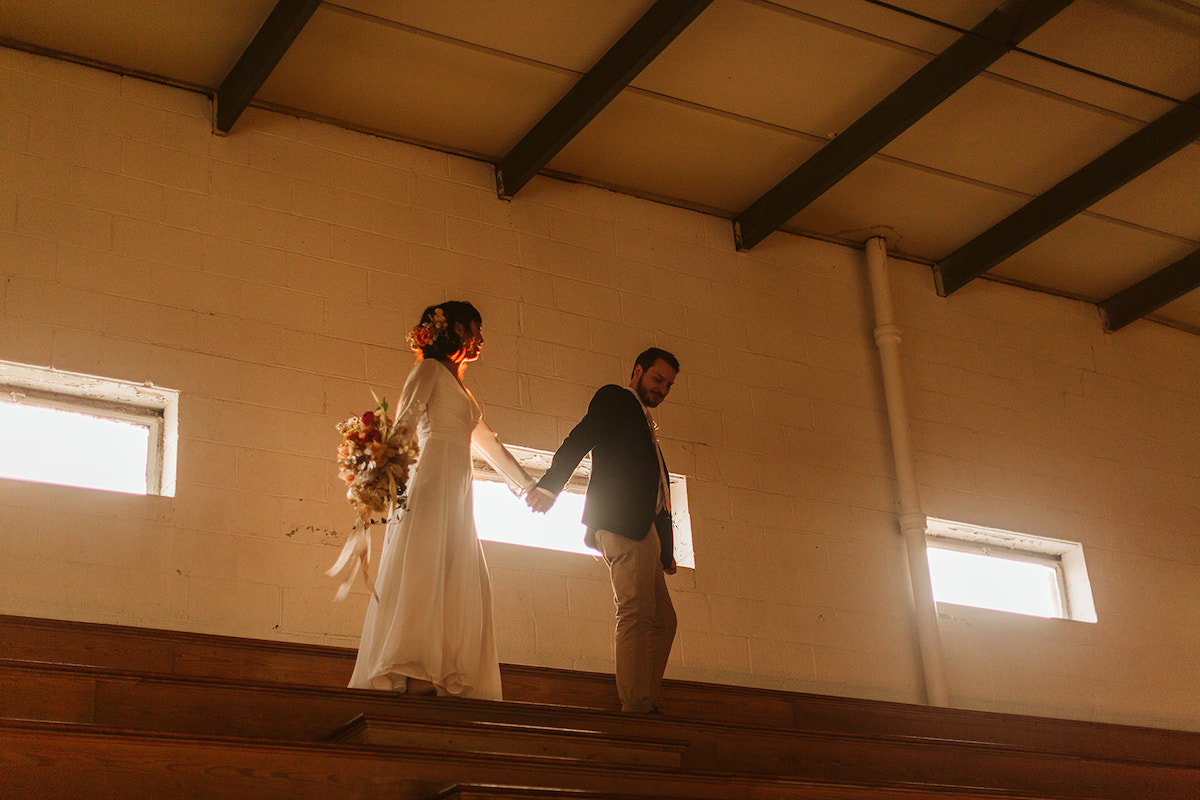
[(622, 494)]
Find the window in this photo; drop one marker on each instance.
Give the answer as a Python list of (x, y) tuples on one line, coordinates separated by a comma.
[(81, 430), (982, 567), (502, 517)]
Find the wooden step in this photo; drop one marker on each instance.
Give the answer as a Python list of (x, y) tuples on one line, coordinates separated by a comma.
[(95, 696), (49, 760), (521, 793), (151, 652), (158, 652), (470, 792), (498, 737), (120, 699)]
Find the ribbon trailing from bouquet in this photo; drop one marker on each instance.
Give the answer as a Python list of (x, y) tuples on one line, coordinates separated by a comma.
[(357, 554)]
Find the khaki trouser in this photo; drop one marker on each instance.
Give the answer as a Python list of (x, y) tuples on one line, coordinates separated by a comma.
[(645, 617)]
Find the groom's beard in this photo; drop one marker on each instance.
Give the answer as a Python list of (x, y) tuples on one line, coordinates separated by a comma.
[(649, 398)]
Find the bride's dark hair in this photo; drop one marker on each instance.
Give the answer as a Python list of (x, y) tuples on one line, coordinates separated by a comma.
[(446, 341)]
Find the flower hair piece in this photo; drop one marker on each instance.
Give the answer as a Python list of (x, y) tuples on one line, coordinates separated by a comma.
[(427, 333)]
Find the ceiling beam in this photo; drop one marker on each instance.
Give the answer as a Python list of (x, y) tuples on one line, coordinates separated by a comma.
[(657, 28), (1148, 295), (1157, 141), (971, 54), (273, 39)]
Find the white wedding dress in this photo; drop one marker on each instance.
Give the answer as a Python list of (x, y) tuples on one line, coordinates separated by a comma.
[(433, 617)]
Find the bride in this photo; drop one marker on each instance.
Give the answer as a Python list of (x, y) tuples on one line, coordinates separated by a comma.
[(429, 628)]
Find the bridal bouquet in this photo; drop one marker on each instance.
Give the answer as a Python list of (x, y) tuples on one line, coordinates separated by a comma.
[(374, 459)]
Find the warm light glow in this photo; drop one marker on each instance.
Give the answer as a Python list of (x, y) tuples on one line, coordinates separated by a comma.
[(502, 517), (72, 449), (990, 581)]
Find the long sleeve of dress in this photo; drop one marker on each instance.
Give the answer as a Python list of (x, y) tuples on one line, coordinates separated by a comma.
[(415, 395), (487, 445)]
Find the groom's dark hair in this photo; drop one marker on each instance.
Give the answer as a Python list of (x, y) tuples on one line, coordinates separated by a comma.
[(648, 357)]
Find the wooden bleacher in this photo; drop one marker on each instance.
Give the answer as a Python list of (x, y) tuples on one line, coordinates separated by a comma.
[(102, 711)]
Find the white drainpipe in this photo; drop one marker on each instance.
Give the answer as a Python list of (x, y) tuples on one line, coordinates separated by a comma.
[(912, 519)]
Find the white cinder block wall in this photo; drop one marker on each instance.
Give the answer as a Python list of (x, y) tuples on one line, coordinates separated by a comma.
[(272, 274)]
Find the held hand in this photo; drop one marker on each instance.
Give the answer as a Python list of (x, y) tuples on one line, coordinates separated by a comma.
[(540, 502)]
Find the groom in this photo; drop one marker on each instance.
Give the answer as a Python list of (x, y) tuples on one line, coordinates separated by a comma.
[(627, 513)]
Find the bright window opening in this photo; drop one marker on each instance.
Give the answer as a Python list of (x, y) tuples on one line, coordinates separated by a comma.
[(51, 445), (80, 430), (991, 580), (1007, 571), (502, 517)]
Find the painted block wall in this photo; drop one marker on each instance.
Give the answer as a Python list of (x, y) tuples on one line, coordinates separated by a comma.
[(270, 276)]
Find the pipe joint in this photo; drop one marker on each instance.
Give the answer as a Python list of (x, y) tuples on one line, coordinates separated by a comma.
[(887, 334), (914, 524)]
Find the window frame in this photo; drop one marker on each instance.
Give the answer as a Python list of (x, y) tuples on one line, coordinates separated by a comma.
[(1065, 557), (144, 404)]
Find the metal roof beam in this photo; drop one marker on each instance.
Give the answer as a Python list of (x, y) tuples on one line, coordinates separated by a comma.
[(657, 28), (975, 51), (273, 39), (1145, 296), (1154, 143)]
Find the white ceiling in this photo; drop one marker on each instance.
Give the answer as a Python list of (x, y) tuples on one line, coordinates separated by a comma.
[(742, 97)]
